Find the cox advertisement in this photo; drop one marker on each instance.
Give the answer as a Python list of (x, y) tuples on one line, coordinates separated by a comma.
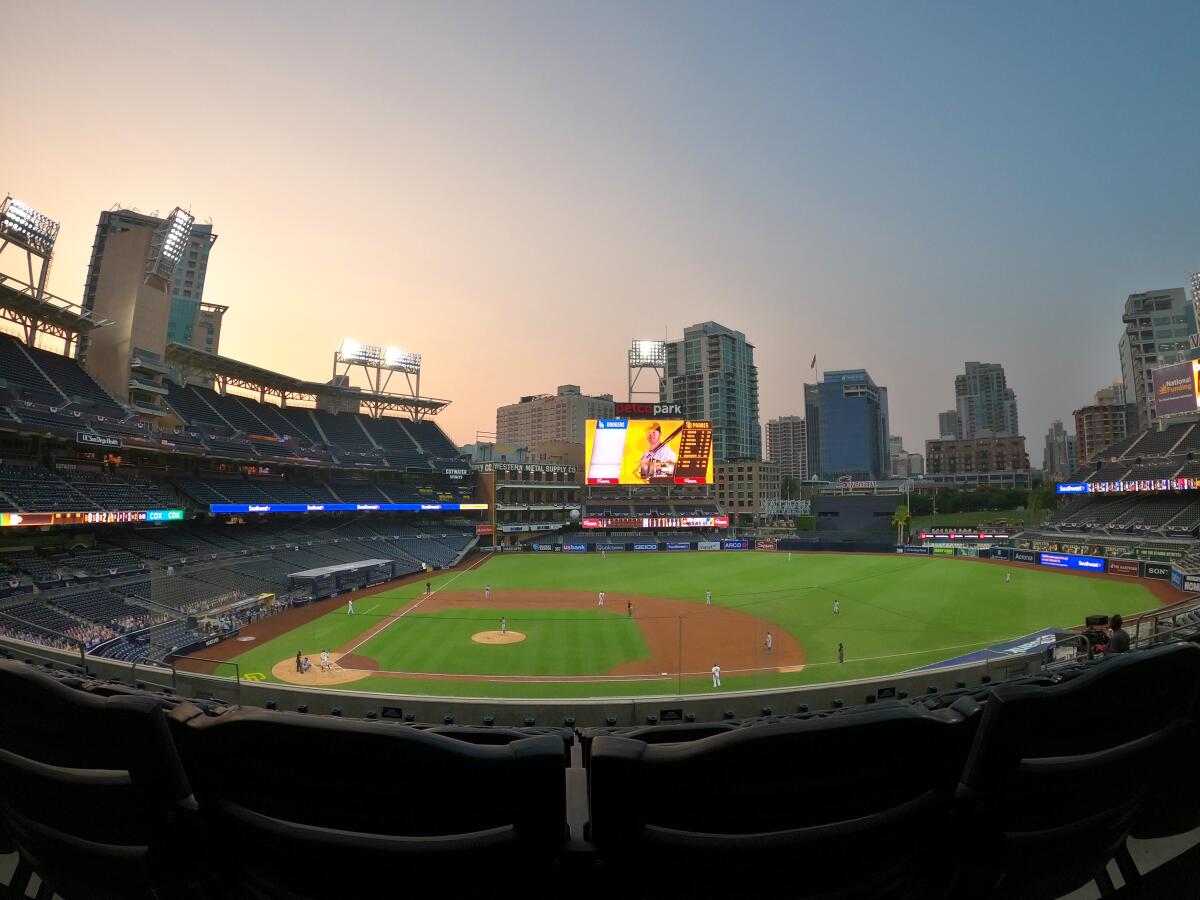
[(1175, 389), (648, 451), (1071, 561)]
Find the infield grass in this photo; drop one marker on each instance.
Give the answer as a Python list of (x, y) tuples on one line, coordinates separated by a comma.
[(897, 613)]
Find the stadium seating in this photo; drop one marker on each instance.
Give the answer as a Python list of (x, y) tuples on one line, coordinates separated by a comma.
[(92, 792), (722, 812), (1058, 774), (450, 811)]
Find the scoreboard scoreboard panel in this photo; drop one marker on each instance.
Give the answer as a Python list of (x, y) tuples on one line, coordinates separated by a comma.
[(8, 520), (648, 451)]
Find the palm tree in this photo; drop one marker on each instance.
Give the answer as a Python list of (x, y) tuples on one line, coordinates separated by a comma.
[(900, 519)]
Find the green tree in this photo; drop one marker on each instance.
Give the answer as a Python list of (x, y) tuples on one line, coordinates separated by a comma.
[(1041, 498), (900, 520)]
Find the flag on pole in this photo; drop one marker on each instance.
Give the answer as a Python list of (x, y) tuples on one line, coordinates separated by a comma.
[(814, 362)]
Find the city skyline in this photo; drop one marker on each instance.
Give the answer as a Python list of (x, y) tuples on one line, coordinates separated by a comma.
[(602, 174)]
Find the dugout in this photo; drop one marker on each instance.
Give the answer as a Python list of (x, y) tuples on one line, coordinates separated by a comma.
[(329, 581)]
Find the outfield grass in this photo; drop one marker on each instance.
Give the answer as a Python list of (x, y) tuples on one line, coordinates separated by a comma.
[(897, 613)]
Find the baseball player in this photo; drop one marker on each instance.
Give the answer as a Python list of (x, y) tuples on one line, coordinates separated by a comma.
[(1008, 577), (428, 588), (629, 608), (600, 599), (708, 598), (325, 666), (504, 624), (487, 592), (349, 607), (769, 642), (841, 652), (837, 607), (716, 673)]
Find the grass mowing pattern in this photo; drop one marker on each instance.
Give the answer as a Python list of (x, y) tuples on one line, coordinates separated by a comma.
[(557, 642), (897, 613)]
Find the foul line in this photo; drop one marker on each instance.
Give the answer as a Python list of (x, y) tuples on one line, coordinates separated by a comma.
[(391, 620)]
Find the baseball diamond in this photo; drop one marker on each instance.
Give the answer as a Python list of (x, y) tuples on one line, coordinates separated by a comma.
[(894, 613)]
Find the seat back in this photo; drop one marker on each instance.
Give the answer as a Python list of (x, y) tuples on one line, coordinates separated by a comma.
[(91, 789), (1057, 773), (816, 795), (365, 798)]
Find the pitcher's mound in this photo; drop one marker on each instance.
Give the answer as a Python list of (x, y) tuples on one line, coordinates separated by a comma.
[(497, 637)]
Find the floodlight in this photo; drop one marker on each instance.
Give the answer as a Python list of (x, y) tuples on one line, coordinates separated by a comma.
[(648, 354), (21, 222), (350, 348), (169, 241), (401, 360)]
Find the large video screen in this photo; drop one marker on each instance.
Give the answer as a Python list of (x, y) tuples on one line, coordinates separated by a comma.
[(1175, 389), (648, 451)]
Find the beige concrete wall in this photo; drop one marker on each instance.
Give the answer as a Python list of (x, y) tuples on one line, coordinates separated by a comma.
[(139, 311)]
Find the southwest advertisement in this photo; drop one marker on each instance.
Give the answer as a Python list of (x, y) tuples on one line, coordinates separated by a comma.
[(648, 451)]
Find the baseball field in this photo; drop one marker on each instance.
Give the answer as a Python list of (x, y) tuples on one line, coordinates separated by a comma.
[(542, 632)]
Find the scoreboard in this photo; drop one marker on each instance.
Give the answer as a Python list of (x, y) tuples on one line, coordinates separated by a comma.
[(648, 451)]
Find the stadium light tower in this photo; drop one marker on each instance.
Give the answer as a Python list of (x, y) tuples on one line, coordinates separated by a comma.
[(379, 364), (23, 227), (168, 243), (647, 356)]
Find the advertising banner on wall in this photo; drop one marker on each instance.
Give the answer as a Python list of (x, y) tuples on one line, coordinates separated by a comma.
[(610, 548), (944, 551), (1175, 389), (1191, 583), (1161, 571), (1025, 556), (1071, 561), (574, 548), (916, 551), (735, 545), (675, 545), (545, 548), (1130, 567), (708, 545), (770, 544), (1001, 553), (1177, 579), (645, 546)]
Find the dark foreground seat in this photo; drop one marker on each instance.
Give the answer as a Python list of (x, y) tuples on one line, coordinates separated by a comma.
[(92, 792), (653, 734), (844, 806), (1058, 774), (301, 806)]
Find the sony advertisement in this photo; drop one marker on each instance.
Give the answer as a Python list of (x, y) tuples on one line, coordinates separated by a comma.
[(648, 451), (1161, 571)]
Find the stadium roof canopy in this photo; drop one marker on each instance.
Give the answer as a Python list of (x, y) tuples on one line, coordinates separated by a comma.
[(228, 372), (340, 567), (47, 314)]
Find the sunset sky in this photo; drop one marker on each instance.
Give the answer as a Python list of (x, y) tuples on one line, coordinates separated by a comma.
[(517, 190)]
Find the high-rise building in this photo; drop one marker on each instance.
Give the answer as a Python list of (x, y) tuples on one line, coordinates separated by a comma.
[(812, 429), (134, 261), (970, 462), (903, 464), (787, 446), (711, 375), (949, 425), (187, 291), (560, 416), (986, 405), (1058, 459), (852, 412), (1195, 282), (1158, 331), (1109, 419), (744, 486)]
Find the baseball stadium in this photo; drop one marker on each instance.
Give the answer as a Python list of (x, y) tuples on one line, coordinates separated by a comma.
[(241, 610)]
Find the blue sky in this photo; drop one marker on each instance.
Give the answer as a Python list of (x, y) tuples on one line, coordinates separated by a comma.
[(519, 189)]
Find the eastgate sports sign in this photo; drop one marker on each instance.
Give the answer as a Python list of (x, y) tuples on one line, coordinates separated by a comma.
[(647, 410)]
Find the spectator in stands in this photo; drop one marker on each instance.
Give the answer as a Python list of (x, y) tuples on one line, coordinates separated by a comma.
[(1118, 637)]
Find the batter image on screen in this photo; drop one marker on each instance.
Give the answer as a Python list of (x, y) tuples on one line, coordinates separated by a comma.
[(659, 458)]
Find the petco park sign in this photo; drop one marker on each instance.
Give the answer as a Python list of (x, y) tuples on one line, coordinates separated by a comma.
[(647, 410)]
